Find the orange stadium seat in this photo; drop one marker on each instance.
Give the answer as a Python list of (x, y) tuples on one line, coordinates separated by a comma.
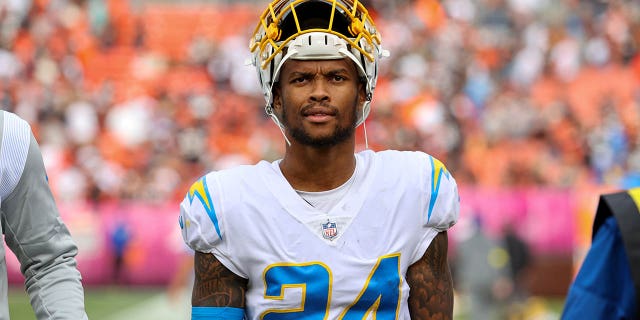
[(111, 64), (169, 28), (124, 22), (186, 80)]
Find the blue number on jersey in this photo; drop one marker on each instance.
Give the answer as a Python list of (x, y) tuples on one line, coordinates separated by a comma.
[(314, 279), (377, 297)]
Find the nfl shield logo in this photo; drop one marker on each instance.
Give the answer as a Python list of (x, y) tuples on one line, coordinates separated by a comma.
[(329, 230)]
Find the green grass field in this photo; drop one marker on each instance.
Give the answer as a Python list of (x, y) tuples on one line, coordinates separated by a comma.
[(126, 303), (113, 303)]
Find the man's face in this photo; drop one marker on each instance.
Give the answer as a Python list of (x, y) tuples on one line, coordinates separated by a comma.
[(318, 100)]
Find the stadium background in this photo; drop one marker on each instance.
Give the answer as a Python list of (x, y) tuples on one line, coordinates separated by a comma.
[(534, 106)]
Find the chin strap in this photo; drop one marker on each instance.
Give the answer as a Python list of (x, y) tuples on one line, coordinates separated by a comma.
[(366, 141), (364, 127), (269, 111)]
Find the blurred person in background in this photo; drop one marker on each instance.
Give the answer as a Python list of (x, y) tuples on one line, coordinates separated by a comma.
[(33, 229), (322, 232), (608, 283), (482, 271), (520, 260), (120, 238)]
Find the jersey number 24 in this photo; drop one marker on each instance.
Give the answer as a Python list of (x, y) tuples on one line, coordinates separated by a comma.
[(379, 297)]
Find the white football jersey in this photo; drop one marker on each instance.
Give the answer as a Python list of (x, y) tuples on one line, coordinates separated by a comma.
[(302, 263)]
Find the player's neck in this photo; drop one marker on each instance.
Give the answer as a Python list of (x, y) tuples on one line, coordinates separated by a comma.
[(318, 169)]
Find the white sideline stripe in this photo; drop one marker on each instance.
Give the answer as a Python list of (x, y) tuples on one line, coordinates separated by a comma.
[(157, 308)]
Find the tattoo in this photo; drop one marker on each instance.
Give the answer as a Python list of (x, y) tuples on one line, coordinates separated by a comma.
[(431, 286), (214, 285)]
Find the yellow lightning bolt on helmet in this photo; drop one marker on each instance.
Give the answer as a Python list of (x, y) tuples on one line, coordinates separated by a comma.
[(316, 30)]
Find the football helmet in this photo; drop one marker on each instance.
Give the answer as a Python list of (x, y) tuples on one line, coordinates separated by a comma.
[(315, 30)]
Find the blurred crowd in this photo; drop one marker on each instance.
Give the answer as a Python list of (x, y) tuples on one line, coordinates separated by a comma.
[(136, 99)]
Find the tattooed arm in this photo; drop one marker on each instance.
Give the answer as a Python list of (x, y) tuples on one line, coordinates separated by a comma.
[(430, 283), (215, 285)]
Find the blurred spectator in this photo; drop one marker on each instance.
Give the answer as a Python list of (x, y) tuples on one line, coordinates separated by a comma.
[(120, 239), (520, 260), (482, 272), (13, 13)]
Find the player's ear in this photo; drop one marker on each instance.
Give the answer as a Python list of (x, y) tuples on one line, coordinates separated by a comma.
[(362, 90), (277, 97)]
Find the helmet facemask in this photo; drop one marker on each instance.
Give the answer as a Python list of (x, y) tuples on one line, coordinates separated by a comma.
[(315, 30)]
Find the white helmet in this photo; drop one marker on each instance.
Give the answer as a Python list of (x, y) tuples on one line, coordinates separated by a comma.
[(315, 30)]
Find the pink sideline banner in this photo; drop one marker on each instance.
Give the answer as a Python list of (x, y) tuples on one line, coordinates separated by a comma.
[(154, 249), (543, 217)]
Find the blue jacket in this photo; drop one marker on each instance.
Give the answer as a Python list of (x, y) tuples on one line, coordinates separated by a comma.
[(603, 288)]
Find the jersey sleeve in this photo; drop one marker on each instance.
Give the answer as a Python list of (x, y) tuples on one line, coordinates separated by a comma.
[(202, 220), (443, 206), (199, 219)]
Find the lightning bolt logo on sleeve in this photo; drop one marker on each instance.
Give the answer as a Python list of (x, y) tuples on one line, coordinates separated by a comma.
[(438, 170), (200, 191)]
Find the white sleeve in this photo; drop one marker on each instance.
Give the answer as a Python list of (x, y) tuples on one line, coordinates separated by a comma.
[(199, 221), (13, 153), (444, 201)]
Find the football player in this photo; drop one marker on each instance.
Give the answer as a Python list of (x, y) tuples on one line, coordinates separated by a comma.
[(324, 232)]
